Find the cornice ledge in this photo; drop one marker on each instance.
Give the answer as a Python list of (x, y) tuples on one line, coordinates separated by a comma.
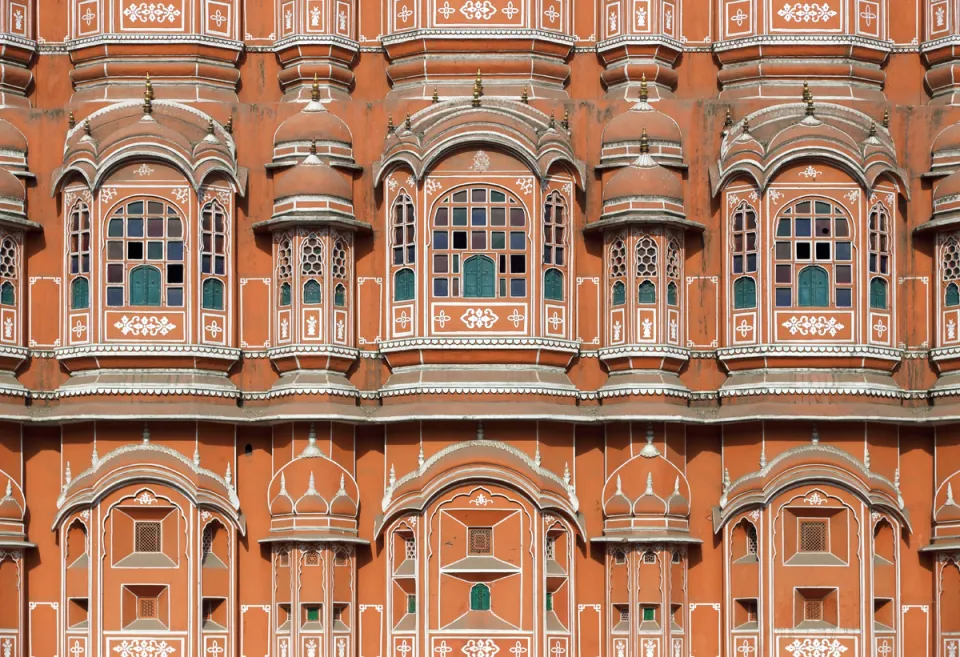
[(308, 350), (315, 39), (107, 39), (811, 389), (405, 344), (811, 350), (642, 351), (803, 40), (657, 39), (478, 388), (100, 349), (468, 33)]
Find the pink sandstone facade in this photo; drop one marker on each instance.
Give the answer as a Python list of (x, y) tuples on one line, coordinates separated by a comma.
[(479, 328)]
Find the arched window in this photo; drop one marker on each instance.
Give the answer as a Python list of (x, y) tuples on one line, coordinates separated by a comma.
[(79, 224), (744, 293), (647, 255), (141, 232), (213, 294), (554, 230), (145, 286), (478, 220), (952, 295), (479, 278), (7, 295), (813, 285), (284, 270), (619, 293), (878, 294), (338, 269), (672, 294), (404, 285), (647, 292), (553, 285), (480, 598), (8, 271), (79, 294), (404, 231), (312, 292), (744, 240), (813, 232), (673, 272), (879, 237)]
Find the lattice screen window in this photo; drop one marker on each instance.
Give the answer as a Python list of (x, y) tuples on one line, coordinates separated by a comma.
[(311, 558), (677, 557), (550, 550), (813, 610), (813, 536), (480, 540), (146, 537), (649, 557), (410, 548), (283, 559), (208, 532), (624, 614), (751, 539), (146, 607), (340, 558), (620, 557)]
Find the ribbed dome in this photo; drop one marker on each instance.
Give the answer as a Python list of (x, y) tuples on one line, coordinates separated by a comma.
[(10, 187), (627, 127), (314, 123), (947, 140), (949, 186), (11, 139), (643, 178), (312, 178)]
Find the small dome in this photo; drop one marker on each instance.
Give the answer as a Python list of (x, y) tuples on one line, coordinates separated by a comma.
[(947, 140), (10, 187), (312, 178), (628, 127), (11, 139), (643, 178), (949, 186), (314, 123)]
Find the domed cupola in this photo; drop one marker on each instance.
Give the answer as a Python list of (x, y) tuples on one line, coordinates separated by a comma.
[(313, 125), (622, 136)]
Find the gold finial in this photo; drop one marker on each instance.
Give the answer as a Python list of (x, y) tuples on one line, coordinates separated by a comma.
[(390, 127), (644, 144), (566, 119), (313, 147), (886, 118), (477, 89), (315, 89), (746, 126), (436, 96), (873, 129), (644, 94), (728, 120), (72, 121), (406, 121), (229, 125), (86, 127), (524, 98), (209, 126), (148, 97), (553, 121), (808, 98)]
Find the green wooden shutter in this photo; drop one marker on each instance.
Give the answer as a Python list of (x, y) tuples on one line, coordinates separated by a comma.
[(311, 292), (80, 294), (340, 296), (549, 598), (138, 286), (285, 294), (953, 295), (647, 292), (212, 294), (7, 296), (553, 285), (619, 293), (672, 294), (403, 285), (479, 278), (488, 278), (745, 293), (812, 287), (153, 286), (411, 604), (878, 294), (480, 598)]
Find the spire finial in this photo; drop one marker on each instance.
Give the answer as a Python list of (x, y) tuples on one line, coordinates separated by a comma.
[(726, 480), (866, 456), (728, 120), (553, 121), (873, 129), (886, 117), (390, 127), (524, 98), (566, 119), (283, 484), (311, 485), (343, 485), (406, 121), (536, 456), (311, 449), (763, 455), (313, 147), (896, 479), (649, 490), (815, 436), (746, 126), (644, 94), (315, 89), (148, 97), (94, 455), (393, 476), (808, 98), (9, 491), (477, 89), (196, 456), (228, 126), (420, 459), (72, 122), (644, 144), (619, 486), (146, 434), (228, 476), (649, 450), (436, 95), (67, 475), (950, 499), (210, 129), (566, 475), (86, 128)]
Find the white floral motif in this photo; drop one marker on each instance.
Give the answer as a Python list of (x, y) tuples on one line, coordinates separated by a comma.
[(617, 329), (88, 17), (481, 162), (219, 19), (214, 329), (811, 172), (941, 15), (8, 328), (311, 648), (516, 317), (18, 20), (432, 186), (816, 648), (612, 20), (446, 10), (315, 17), (552, 14), (739, 17), (807, 12), (668, 19), (311, 326), (479, 317), (647, 328), (151, 13), (478, 10), (480, 648), (813, 325), (146, 497), (555, 321), (182, 194), (403, 320), (815, 498), (481, 500), (341, 328), (641, 17), (404, 13), (143, 170), (755, 515), (754, 197), (107, 194), (79, 328), (674, 329), (775, 196), (880, 328), (442, 319), (525, 184), (884, 649), (284, 329), (342, 20), (510, 11), (392, 184), (143, 648), (852, 195), (951, 330), (732, 200), (147, 325)]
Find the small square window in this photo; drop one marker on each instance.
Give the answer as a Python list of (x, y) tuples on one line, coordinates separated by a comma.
[(478, 195), (813, 536), (783, 297), (497, 197), (440, 263), (803, 250), (498, 240), (459, 216), (783, 250), (478, 216), (134, 227), (802, 227), (844, 274), (842, 250), (813, 610), (751, 262), (517, 217), (114, 250), (441, 239), (135, 250), (518, 287), (174, 273), (823, 250), (146, 608), (649, 614), (844, 297), (114, 296), (459, 239), (154, 250), (175, 296), (498, 216), (441, 218), (783, 228), (440, 287), (480, 540), (460, 197), (478, 240), (114, 273), (146, 537), (620, 557), (738, 264), (174, 250), (517, 240), (518, 264), (784, 273)]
